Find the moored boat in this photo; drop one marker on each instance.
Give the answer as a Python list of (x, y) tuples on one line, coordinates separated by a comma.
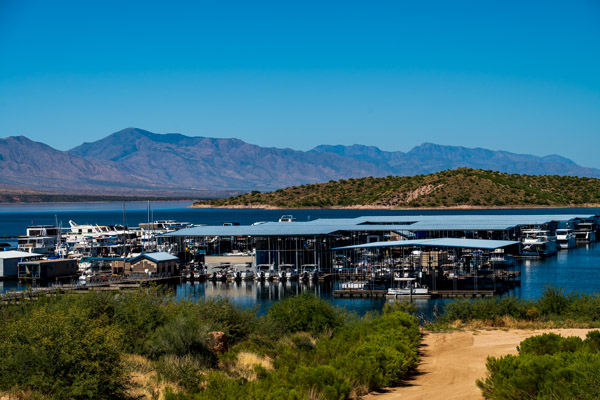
[(565, 239), (409, 287), (287, 272), (537, 242)]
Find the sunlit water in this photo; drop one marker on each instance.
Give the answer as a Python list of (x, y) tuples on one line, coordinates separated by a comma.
[(574, 270)]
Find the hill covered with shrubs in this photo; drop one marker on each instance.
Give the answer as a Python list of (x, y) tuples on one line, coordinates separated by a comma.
[(453, 188)]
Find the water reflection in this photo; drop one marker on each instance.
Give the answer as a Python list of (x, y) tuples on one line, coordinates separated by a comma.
[(574, 270), (249, 294)]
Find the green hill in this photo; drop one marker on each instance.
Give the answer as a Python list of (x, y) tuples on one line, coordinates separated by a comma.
[(454, 188)]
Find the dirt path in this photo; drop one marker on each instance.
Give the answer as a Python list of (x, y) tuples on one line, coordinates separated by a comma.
[(451, 362)]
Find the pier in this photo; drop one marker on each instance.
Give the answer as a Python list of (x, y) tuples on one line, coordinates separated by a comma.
[(435, 294)]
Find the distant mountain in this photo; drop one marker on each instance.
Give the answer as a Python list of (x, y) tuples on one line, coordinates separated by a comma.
[(218, 163), (138, 161), (430, 158), (25, 163)]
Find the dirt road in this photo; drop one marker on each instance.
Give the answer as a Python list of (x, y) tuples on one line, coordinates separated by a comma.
[(451, 362)]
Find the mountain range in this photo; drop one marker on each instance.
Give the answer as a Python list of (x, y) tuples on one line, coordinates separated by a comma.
[(137, 161)]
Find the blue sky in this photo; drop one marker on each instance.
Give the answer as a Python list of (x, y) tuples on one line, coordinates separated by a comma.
[(522, 76)]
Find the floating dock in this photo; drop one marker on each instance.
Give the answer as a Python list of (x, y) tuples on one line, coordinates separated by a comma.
[(434, 294)]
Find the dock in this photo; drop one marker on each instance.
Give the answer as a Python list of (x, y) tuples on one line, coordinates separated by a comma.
[(434, 294)]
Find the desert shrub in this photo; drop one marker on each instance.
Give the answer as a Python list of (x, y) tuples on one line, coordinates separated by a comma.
[(225, 316), (186, 371), (365, 354), (324, 381), (547, 366), (55, 350), (218, 386), (138, 314), (304, 313), (554, 306), (549, 343), (553, 301), (184, 335), (485, 309)]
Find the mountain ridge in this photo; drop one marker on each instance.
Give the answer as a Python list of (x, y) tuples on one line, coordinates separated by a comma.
[(141, 160)]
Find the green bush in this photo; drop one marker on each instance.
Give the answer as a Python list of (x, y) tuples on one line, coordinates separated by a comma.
[(554, 305), (55, 350), (549, 343), (486, 309), (71, 347), (223, 315), (184, 335), (547, 367), (304, 313)]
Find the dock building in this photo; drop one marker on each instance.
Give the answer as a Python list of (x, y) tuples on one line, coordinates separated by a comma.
[(151, 264), (9, 261), (47, 269), (313, 242)]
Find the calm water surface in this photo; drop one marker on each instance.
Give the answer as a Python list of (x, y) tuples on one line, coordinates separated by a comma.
[(575, 270)]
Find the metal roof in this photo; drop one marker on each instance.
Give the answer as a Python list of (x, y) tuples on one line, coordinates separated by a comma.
[(17, 254), (266, 229), (326, 226), (445, 242), (156, 257)]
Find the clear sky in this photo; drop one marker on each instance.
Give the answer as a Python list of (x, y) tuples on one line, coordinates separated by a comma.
[(522, 76)]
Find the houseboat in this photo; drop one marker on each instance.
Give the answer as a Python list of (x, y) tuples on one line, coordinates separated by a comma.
[(565, 239), (537, 242)]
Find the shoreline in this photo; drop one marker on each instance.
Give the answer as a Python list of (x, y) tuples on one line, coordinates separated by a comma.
[(367, 207)]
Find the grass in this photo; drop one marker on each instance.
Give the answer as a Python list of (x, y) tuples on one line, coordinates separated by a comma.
[(144, 383)]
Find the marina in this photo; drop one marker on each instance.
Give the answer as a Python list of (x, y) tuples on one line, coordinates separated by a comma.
[(394, 256)]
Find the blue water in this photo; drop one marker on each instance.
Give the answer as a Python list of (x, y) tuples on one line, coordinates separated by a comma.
[(575, 270), (14, 218)]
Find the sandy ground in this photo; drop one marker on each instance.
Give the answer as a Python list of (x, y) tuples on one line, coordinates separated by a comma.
[(451, 362)]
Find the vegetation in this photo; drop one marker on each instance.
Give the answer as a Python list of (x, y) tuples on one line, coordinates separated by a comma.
[(457, 188), (554, 308), (547, 367), (144, 344)]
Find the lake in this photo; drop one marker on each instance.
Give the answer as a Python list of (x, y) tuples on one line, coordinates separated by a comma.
[(573, 270)]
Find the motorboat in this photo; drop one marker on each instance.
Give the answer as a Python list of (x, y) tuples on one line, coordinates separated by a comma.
[(247, 275), (409, 287), (310, 272), (287, 218), (83, 279), (220, 273), (198, 273), (264, 272), (287, 272), (565, 239)]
